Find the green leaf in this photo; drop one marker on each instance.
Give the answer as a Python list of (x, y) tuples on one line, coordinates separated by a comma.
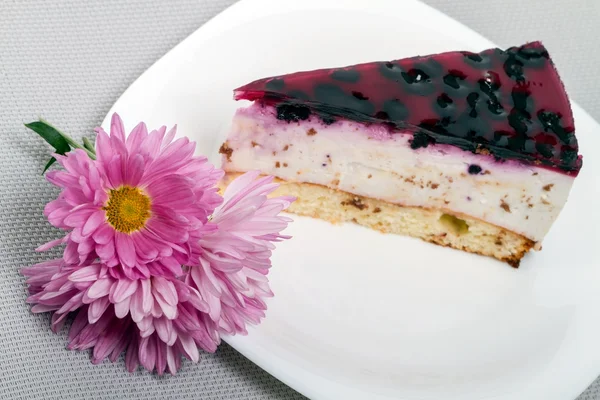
[(52, 161), (50, 135)]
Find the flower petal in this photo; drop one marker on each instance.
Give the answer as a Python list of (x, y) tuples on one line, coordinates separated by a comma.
[(85, 274), (116, 127), (125, 249), (189, 347), (122, 308), (93, 222), (104, 234), (99, 289), (96, 309), (123, 289)]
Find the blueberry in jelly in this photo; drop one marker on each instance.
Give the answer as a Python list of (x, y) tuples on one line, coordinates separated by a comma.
[(382, 115), (544, 149), (472, 100), (443, 100), (328, 120), (514, 68), (436, 125), (291, 112), (453, 78), (551, 121), (420, 139), (517, 142), (298, 94), (501, 141), (494, 106), (417, 82), (333, 95), (531, 57), (474, 129), (529, 147), (569, 156), (519, 120), (276, 84), (346, 75), (529, 53), (472, 56), (444, 106), (490, 83), (391, 71), (521, 98), (431, 68), (395, 110), (474, 169), (478, 61), (359, 95)]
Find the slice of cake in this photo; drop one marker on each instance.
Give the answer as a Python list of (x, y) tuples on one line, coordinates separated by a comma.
[(476, 151)]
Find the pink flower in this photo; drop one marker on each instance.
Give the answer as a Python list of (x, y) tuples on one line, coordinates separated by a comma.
[(142, 204), (236, 253), (155, 321), (169, 314)]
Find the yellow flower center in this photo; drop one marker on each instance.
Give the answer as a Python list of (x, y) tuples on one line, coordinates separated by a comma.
[(127, 209)]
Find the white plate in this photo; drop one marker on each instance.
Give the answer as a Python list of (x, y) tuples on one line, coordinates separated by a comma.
[(358, 314)]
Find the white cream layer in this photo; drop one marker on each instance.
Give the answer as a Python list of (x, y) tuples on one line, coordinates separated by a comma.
[(368, 161)]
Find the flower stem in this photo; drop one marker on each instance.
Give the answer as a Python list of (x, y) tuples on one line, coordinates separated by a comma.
[(90, 151), (88, 145)]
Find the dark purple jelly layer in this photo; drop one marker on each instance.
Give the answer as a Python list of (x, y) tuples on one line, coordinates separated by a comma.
[(510, 103)]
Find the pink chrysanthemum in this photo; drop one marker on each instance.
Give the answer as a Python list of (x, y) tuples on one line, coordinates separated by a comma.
[(158, 319), (155, 320), (236, 256), (142, 204)]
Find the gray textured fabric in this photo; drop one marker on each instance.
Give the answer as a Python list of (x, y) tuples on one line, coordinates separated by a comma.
[(68, 61)]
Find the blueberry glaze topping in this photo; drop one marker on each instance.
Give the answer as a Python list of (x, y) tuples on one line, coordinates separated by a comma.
[(507, 103)]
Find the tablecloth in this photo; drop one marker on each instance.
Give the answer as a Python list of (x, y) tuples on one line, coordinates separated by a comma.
[(68, 61)]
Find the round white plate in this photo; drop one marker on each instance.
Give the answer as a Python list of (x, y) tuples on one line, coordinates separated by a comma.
[(361, 315)]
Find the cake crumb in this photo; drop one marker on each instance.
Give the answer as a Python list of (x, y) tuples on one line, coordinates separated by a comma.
[(527, 217), (274, 153), (446, 202), (311, 132), (335, 182), (486, 172), (548, 187), (356, 202), (277, 164), (376, 210), (504, 205), (286, 147), (285, 164), (535, 173), (370, 176), (435, 185), (254, 144), (482, 150), (225, 149)]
